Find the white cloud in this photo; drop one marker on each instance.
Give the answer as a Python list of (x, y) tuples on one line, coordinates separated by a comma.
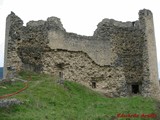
[(1, 2)]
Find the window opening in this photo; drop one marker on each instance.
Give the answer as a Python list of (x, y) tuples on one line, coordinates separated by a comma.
[(93, 84), (135, 89)]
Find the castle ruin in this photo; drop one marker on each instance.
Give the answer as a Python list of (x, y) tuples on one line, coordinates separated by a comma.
[(118, 60)]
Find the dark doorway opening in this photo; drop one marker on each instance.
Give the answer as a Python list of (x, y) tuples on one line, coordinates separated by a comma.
[(135, 89), (93, 84), (133, 24)]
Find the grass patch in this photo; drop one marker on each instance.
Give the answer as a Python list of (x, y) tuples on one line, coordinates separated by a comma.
[(10, 87), (47, 100)]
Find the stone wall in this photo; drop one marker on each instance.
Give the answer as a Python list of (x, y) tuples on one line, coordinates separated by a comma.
[(117, 57), (150, 67), (126, 41), (79, 67), (12, 41), (98, 50)]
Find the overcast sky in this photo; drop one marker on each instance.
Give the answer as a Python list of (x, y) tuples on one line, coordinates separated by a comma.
[(78, 16)]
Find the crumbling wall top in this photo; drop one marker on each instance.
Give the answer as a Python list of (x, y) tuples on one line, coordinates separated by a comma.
[(55, 23), (36, 23), (112, 22), (14, 19), (145, 12), (52, 23)]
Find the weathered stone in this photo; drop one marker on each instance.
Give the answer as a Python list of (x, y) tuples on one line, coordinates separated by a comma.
[(9, 102), (118, 60)]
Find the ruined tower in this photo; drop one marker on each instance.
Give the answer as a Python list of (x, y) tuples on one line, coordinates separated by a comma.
[(12, 39), (150, 67), (118, 60)]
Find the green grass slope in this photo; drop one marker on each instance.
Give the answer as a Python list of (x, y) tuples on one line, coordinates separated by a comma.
[(10, 87), (47, 100)]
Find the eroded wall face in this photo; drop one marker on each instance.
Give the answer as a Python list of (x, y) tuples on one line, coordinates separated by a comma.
[(79, 67), (98, 50), (44, 48), (14, 26), (117, 57), (34, 44), (127, 47), (126, 41), (35, 40)]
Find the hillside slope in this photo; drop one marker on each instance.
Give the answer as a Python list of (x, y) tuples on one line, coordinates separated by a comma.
[(45, 99)]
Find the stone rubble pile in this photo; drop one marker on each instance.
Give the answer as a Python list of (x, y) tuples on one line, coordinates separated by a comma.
[(9, 102)]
